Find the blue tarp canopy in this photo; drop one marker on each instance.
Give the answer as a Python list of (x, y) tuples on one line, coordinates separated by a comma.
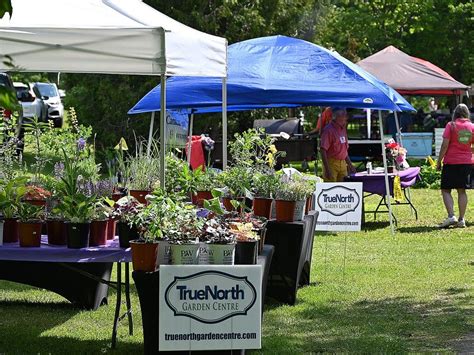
[(278, 71)]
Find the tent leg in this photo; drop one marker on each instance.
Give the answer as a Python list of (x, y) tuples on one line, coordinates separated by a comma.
[(397, 124), (150, 134), (369, 123), (224, 123), (387, 186), (163, 131), (190, 137)]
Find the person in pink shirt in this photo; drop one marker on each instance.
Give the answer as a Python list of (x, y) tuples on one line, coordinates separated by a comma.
[(456, 155), (334, 147)]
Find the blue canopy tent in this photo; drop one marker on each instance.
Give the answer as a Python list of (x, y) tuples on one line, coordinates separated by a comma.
[(279, 71)]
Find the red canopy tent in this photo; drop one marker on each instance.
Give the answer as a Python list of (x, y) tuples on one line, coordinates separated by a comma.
[(410, 75)]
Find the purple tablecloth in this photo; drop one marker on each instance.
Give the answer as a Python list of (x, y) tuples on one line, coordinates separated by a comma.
[(375, 183), (51, 253)]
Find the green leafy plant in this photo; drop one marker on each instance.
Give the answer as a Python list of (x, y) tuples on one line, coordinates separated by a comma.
[(11, 195), (265, 185), (235, 181), (143, 171), (77, 208), (30, 213), (253, 147), (297, 189)]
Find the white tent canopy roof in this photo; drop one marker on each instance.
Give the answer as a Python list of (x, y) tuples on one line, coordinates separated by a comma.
[(107, 36)]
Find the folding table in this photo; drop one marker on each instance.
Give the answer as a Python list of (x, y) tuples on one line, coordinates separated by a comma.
[(80, 275), (374, 184)]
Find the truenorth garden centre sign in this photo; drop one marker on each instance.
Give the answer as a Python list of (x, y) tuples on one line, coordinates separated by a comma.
[(339, 206), (210, 307)]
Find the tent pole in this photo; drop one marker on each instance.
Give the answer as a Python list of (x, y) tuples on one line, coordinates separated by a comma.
[(387, 186), (190, 138), (163, 131), (224, 123), (397, 124), (369, 123), (150, 134)]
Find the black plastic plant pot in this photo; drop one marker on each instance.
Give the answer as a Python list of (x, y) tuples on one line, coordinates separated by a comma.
[(246, 253), (126, 234), (78, 235)]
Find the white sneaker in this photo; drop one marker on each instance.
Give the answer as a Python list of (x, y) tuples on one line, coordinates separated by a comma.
[(448, 222), (461, 223)]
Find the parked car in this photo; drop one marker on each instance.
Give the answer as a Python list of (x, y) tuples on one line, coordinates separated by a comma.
[(5, 81), (32, 106), (49, 94)]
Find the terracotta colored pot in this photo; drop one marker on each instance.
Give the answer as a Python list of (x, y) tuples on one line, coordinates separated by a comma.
[(285, 210), (10, 230), (78, 235), (98, 234), (144, 256), (111, 229), (36, 202), (228, 206), (200, 196), (262, 207), (30, 234), (116, 196), (140, 195), (56, 231), (309, 202)]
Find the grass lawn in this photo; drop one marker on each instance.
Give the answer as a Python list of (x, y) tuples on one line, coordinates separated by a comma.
[(405, 293)]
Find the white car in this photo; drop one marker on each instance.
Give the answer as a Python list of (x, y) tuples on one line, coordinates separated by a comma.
[(32, 106), (49, 94)]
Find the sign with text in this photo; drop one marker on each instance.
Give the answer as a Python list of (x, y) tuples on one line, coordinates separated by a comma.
[(210, 307), (339, 206)]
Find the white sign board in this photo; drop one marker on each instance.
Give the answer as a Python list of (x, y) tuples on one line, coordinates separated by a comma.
[(210, 307), (339, 206), (176, 129)]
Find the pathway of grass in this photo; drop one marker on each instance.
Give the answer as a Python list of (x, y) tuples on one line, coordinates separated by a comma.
[(411, 292)]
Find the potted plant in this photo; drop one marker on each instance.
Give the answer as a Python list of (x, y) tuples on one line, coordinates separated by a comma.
[(1, 231), (126, 210), (56, 229), (10, 199), (199, 183), (30, 224), (220, 240), (236, 184), (294, 191), (264, 188), (142, 172), (152, 222), (247, 238), (78, 210), (99, 224), (36, 195)]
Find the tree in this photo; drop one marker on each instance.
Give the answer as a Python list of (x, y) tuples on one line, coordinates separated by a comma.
[(103, 100), (439, 31)]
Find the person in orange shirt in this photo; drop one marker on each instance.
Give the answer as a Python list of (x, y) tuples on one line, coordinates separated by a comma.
[(334, 148), (323, 120)]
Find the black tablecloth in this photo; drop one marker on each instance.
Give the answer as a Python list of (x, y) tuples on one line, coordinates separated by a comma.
[(64, 279), (291, 264), (147, 284)]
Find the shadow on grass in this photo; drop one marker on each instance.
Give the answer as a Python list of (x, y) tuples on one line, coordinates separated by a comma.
[(375, 225), (418, 229), (24, 327), (393, 325)]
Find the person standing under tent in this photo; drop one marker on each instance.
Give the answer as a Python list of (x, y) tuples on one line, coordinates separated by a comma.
[(456, 155), (334, 148)]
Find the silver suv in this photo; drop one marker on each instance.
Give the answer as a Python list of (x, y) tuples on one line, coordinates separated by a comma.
[(49, 94)]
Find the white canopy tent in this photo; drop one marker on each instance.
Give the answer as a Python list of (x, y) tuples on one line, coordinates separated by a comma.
[(108, 36)]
